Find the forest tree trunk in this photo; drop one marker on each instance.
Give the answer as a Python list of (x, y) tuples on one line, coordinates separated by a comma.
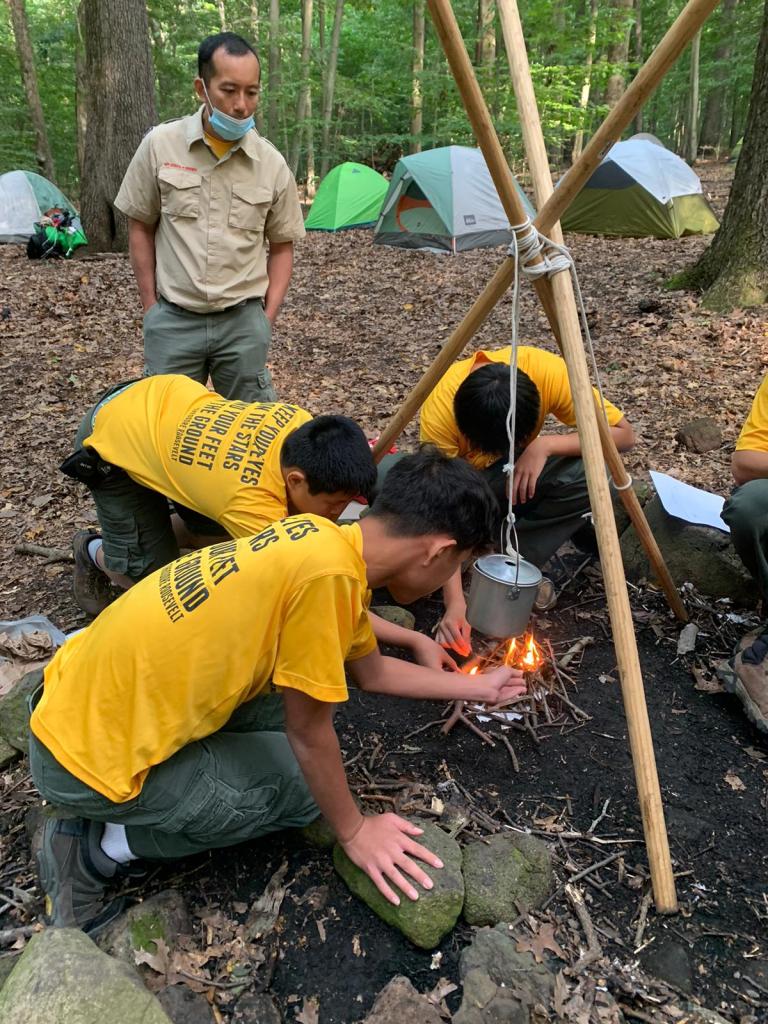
[(734, 269), (330, 88), (302, 104), (711, 135), (485, 47), (417, 67), (222, 16), (120, 84), (618, 51), (81, 92), (578, 140), (639, 56), (254, 30), (273, 109), (43, 153), (692, 126)]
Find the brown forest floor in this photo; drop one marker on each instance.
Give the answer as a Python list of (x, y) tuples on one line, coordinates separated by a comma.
[(359, 326)]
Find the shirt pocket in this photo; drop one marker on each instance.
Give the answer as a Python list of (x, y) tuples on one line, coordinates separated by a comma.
[(179, 192), (249, 207)]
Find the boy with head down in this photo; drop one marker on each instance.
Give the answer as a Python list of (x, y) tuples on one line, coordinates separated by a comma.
[(197, 710)]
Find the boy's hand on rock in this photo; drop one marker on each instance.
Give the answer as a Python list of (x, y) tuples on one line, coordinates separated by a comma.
[(499, 684), (384, 849)]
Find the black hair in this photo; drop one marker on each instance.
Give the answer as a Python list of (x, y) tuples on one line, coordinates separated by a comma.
[(232, 43), (333, 454), (431, 493), (481, 404)]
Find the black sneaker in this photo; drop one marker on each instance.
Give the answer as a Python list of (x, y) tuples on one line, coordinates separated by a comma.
[(74, 875), (91, 587)]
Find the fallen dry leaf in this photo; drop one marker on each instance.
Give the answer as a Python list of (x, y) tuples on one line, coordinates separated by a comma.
[(705, 682), (755, 754), (536, 944), (734, 781), (357, 949), (310, 1012), (266, 909)]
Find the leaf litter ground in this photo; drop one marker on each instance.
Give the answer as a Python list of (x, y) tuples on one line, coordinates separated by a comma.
[(359, 326)]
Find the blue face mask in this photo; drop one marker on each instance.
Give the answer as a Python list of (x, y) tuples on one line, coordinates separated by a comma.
[(229, 128)]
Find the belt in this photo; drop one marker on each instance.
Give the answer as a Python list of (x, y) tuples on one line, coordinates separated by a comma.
[(211, 312)]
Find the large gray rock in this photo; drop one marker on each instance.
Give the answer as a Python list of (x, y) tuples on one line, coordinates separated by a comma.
[(14, 713), (426, 920), (400, 1003), (184, 1006), (162, 916), (393, 613), (62, 977), (698, 554), (700, 435), (257, 1008), (644, 493), (503, 873), (500, 984), (7, 753)]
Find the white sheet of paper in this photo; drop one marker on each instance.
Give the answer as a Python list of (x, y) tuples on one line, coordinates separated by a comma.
[(689, 503)]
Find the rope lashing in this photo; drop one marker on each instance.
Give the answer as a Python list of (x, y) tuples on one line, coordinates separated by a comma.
[(622, 487)]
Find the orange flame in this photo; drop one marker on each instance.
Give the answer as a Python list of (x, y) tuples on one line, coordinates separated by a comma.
[(527, 655), (473, 671)]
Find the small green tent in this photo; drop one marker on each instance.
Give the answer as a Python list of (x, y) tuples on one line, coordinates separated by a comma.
[(350, 196), (640, 189), (444, 200)]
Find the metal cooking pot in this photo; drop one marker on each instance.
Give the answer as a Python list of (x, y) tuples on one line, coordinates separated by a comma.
[(502, 594)]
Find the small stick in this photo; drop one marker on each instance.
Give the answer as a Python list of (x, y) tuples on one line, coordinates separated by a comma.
[(456, 714), (50, 554), (643, 918), (600, 817), (9, 935), (529, 729), (422, 728), (507, 743), (594, 949), (586, 871), (473, 728)]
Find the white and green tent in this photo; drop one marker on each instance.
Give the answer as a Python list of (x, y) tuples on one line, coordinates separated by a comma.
[(444, 200), (24, 198), (640, 189)]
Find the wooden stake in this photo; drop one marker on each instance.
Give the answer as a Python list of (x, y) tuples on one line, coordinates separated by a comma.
[(538, 164), (586, 419)]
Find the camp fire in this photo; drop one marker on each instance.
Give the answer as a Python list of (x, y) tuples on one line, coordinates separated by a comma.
[(524, 653)]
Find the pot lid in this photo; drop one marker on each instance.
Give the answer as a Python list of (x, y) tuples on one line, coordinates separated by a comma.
[(504, 569)]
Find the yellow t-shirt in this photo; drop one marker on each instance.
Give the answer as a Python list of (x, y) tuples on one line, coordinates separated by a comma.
[(218, 457), (219, 147), (547, 371), (170, 660), (754, 433)]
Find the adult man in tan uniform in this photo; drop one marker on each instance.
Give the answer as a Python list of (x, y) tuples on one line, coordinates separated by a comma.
[(204, 194)]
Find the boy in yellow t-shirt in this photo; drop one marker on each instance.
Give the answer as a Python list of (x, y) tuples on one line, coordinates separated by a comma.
[(466, 416), (229, 467), (746, 513), (197, 710)]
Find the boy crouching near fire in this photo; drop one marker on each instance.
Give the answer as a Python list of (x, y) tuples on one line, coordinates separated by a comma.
[(197, 710)]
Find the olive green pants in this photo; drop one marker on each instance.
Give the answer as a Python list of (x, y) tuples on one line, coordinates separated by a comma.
[(230, 346), (746, 513), (236, 784)]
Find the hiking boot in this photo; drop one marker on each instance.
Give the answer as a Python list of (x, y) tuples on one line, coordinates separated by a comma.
[(74, 874), (90, 585), (746, 676)]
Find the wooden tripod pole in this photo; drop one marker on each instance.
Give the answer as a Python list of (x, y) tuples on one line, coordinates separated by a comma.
[(688, 22), (605, 526), (538, 164)]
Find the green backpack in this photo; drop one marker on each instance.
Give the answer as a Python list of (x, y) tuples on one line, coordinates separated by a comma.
[(58, 236)]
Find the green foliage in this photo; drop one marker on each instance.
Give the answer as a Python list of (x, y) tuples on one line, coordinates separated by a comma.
[(371, 114)]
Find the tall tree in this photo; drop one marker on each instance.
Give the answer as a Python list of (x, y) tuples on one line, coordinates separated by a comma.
[(20, 25), (329, 87), (692, 120), (618, 51), (713, 117), (254, 29), (120, 84), (273, 111), (639, 55), (417, 67), (303, 102), (578, 141), (485, 46), (222, 15), (734, 269)]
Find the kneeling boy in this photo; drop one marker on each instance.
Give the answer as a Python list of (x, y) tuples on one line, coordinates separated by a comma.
[(197, 710)]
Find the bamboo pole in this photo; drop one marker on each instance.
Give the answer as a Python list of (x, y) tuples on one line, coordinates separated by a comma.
[(586, 418), (692, 17), (538, 164)]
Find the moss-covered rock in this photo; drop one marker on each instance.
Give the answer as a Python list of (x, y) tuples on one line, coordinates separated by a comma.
[(426, 920), (162, 916), (393, 613), (14, 713), (62, 977), (503, 872)]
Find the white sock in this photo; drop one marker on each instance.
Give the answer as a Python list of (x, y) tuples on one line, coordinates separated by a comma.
[(94, 546), (114, 843)]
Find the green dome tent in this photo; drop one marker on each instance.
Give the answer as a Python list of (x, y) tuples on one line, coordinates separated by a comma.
[(24, 198), (640, 189), (350, 196), (444, 200)]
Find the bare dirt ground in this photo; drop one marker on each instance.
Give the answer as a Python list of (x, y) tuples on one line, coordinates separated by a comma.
[(359, 326)]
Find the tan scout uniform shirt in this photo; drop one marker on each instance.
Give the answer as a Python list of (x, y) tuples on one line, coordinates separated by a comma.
[(212, 215)]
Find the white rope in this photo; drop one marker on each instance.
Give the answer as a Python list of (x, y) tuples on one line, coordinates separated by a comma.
[(536, 256), (623, 487)]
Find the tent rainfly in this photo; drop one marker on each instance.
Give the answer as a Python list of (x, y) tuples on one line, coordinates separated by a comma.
[(24, 198), (641, 189), (444, 200), (350, 196)]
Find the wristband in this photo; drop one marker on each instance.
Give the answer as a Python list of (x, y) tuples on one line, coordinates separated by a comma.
[(355, 832)]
